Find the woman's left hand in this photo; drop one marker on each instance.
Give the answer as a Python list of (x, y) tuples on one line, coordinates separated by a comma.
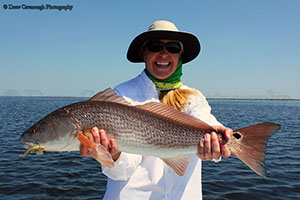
[(213, 147)]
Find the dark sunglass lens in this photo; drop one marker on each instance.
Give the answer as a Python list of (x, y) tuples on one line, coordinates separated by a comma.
[(155, 46), (173, 47)]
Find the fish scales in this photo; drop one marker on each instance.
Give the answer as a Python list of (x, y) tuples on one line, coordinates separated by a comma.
[(133, 127), (151, 129)]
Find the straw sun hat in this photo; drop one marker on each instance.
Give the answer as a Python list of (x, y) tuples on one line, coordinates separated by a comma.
[(164, 30)]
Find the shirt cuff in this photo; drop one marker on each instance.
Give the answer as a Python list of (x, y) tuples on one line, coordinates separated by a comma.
[(124, 167), (217, 160)]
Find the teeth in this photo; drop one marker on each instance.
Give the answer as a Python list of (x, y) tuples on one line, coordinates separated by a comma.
[(163, 63)]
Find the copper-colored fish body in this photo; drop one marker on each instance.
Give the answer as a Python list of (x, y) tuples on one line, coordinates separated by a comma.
[(152, 129)]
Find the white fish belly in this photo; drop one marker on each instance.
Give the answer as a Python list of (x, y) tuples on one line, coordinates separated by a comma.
[(66, 143), (150, 150)]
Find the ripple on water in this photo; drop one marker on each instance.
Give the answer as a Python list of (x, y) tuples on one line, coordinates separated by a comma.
[(70, 176)]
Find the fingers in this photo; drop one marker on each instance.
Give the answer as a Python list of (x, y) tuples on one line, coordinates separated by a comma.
[(207, 147), (104, 139), (201, 152), (109, 144), (84, 150), (100, 137), (210, 147), (114, 150), (227, 132), (96, 136), (225, 151), (215, 144), (113, 147)]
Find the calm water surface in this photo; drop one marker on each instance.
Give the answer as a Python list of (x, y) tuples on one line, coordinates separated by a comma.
[(71, 176)]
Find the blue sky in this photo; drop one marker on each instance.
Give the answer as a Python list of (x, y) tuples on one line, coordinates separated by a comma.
[(249, 48)]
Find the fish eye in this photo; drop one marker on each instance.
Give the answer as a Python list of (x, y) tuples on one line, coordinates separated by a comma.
[(33, 131)]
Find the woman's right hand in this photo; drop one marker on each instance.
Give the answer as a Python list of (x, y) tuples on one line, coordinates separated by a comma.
[(100, 137)]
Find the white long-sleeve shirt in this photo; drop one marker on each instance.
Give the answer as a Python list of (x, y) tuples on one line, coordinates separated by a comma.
[(146, 177)]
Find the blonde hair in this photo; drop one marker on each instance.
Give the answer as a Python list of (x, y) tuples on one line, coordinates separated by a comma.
[(177, 98)]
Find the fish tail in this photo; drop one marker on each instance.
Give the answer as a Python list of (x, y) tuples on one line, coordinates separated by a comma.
[(249, 144)]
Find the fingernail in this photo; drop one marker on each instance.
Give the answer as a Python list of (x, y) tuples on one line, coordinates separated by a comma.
[(227, 136), (94, 129)]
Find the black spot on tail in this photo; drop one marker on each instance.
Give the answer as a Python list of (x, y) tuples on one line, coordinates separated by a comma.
[(237, 135)]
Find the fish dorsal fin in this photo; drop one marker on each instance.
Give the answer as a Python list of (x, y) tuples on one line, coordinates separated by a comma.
[(175, 115), (178, 164), (110, 96)]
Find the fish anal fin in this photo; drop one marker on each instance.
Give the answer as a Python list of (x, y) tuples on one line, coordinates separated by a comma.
[(175, 115), (110, 96), (97, 151), (178, 164)]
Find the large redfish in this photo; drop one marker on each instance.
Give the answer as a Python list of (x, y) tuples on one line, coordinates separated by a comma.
[(152, 129)]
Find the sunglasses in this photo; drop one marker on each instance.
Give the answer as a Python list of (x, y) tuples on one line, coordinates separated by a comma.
[(157, 46)]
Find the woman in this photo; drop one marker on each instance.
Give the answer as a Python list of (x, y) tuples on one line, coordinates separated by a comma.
[(163, 49)]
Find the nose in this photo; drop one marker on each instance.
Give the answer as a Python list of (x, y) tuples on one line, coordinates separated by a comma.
[(163, 51)]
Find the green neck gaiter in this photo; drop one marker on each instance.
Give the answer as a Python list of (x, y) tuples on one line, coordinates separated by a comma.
[(172, 82)]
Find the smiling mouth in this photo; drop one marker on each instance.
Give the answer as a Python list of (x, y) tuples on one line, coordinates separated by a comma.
[(163, 64)]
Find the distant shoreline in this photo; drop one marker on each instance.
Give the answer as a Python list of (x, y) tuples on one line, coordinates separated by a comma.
[(255, 99), (208, 98)]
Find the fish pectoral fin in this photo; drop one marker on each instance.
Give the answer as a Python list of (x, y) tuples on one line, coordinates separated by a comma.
[(85, 141), (98, 151), (102, 156), (178, 164)]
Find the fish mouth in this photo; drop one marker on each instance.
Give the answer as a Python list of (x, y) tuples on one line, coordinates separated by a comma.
[(33, 148)]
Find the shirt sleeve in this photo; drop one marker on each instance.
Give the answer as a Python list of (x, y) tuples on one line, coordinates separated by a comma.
[(124, 167), (198, 107)]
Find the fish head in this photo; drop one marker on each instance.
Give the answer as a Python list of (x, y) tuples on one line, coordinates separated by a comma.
[(55, 132)]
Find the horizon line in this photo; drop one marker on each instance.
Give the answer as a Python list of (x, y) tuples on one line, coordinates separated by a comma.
[(208, 98)]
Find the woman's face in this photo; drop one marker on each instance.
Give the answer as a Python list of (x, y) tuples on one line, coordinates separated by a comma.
[(161, 64)]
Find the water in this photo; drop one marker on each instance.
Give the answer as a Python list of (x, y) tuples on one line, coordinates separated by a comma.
[(71, 176), (230, 179)]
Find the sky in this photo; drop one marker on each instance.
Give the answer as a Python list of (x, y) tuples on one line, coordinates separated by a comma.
[(248, 48)]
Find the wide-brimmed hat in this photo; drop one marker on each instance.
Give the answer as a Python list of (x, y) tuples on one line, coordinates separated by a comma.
[(160, 30)]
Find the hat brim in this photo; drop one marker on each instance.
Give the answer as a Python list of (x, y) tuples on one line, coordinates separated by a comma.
[(191, 44)]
